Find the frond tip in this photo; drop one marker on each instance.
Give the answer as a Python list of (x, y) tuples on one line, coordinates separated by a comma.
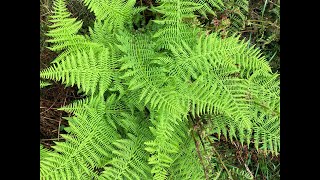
[(92, 72), (44, 84)]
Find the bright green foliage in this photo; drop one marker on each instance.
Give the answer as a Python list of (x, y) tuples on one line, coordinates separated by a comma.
[(129, 158), (187, 157), (88, 143), (44, 84), (143, 87), (208, 5), (63, 33), (117, 13), (90, 71)]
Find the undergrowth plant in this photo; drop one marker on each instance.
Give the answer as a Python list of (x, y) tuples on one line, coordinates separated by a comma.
[(233, 17), (263, 28), (150, 89)]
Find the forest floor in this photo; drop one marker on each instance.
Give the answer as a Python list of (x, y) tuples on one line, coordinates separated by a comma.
[(55, 96)]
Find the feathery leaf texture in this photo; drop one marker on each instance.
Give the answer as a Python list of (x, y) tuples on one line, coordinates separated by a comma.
[(63, 33), (88, 143), (44, 84), (129, 158), (92, 72), (143, 86)]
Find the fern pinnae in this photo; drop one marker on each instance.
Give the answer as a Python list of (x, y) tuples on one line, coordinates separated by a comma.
[(172, 29), (44, 84), (130, 159), (88, 71), (186, 164), (63, 34), (117, 13), (164, 147), (87, 128)]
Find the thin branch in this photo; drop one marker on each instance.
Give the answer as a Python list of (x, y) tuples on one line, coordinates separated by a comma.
[(199, 154), (51, 139), (219, 157)]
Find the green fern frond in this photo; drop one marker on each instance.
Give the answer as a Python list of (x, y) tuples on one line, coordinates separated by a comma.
[(43, 155), (172, 28), (131, 99), (44, 84), (267, 133), (142, 74), (266, 96), (130, 160), (165, 145), (43, 152), (87, 145), (92, 72), (211, 52), (63, 32), (237, 13), (226, 96), (187, 163), (209, 6), (221, 90), (103, 33), (116, 12), (144, 86), (240, 173)]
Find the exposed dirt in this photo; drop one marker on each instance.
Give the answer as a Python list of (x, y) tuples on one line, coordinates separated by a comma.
[(51, 121), (52, 98), (46, 56)]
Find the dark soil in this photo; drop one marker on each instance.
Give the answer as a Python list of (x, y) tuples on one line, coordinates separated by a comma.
[(242, 153), (46, 56), (52, 98)]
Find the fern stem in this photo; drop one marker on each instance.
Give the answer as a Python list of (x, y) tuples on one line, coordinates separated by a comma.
[(53, 139), (265, 107), (268, 22), (198, 132), (199, 154), (219, 157), (215, 151)]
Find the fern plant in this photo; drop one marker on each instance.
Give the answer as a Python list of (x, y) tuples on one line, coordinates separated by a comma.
[(146, 87)]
